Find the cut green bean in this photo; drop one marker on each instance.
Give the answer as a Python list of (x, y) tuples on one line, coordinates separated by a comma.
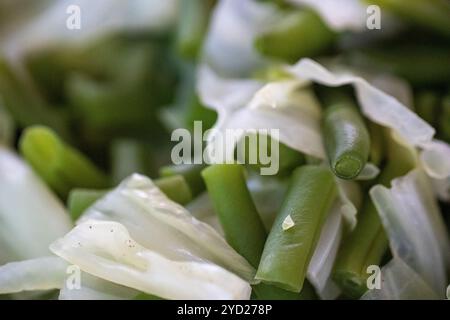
[(420, 65), (426, 105), (365, 246), (81, 199), (347, 139), (299, 34), (190, 172), (236, 210), (62, 167), (176, 188), (367, 243), (192, 25), (296, 230), (128, 157), (430, 14)]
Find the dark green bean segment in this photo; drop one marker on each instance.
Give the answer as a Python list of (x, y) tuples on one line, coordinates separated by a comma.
[(367, 243), (237, 213), (60, 165), (190, 172), (430, 14), (365, 246), (288, 250), (347, 139), (81, 199), (175, 188), (426, 103), (192, 24), (299, 34)]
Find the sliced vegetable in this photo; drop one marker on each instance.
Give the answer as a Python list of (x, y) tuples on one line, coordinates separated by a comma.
[(237, 213), (287, 253)]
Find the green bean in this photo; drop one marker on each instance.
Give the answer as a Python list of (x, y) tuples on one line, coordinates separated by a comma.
[(426, 105), (25, 105), (299, 34), (288, 158), (444, 119), (81, 199), (176, 188), (288, 250), (192, 25), (430, 14), (236, 210), (420, 65), (190, 172), (365, 246), (61, 166), (128, 157), (367, 243), (347, 140)]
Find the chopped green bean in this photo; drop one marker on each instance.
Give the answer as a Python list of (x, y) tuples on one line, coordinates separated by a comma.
[(190, 172), (289, 249), (192, 25), (81, 199), (61, 166), (267, 292), (347, 140), (237, 213), (431, 14), (299, 34), (176, 188)]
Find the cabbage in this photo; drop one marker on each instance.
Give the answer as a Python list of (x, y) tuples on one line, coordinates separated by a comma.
[(106, 250), (400, 282), (322, 261), (93, 288), (202, 209), (412, 220), (163, 226), (228, 46), (32, 275), (31, 216)]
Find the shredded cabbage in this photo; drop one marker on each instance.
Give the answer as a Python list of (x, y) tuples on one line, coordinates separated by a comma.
[(400, 282), (31, 216), (33, 275), (165, 227), (412, 220), (106, 250), (93, 288)]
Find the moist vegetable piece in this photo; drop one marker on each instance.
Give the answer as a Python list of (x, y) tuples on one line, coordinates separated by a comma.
[(287, 252), (347, 139), (237, 212)]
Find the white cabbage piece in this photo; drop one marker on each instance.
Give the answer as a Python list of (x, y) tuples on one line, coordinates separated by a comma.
[(48, 26), (43, 273), (164, 226), (375, 104), (93, 288), (435, 159), (228, 46), (416, 231), (283, 106), (106, 250), (350, 200), (322, 261), (369, 172), (202, 209), (31, 216), (400, 282)]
